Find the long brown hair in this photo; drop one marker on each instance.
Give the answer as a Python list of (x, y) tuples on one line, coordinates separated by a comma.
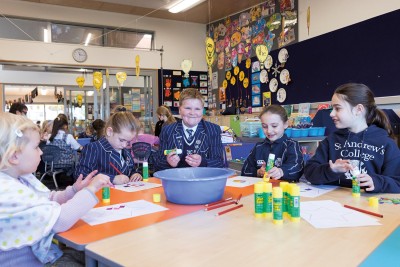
[(357, 93), (275, 109), (164, 110)]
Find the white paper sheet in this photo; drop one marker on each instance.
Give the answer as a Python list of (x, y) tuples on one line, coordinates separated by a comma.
[(136, 186), (331, 214), (121, 211), (242, 181), (307, 190)]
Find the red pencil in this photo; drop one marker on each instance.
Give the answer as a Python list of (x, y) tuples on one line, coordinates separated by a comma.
[(217, 202), (238, 199), (228, 210), (364, 211), (115, 168), (220, 205)]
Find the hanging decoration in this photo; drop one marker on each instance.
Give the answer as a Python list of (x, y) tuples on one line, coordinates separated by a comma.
[(121, 77), (97, 80), (186, 66), (137, 60), (79, 99), (308, 19), (80, 81), (246, 82), (248, 63), (107, 75), (210, 49), (262, 53)]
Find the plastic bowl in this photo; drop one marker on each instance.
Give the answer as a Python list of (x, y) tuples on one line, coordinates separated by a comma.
[(193, 186)]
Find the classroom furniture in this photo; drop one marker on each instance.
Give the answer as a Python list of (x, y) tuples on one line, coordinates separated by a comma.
[(141, 152), (239, 239), (50, 155)]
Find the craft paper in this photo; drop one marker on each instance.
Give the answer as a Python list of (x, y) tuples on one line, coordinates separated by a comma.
[(242, 181), (307, 190), (136, 186)]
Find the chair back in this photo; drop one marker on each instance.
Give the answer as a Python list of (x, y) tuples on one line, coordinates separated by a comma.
[(50, 154), (141, 151)]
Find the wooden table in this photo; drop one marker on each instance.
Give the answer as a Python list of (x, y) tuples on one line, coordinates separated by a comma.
[(82, 233), (239, 239)]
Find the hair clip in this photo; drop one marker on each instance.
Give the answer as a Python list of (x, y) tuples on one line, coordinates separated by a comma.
[(19, 133)]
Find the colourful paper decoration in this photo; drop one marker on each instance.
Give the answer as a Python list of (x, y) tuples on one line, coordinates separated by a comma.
[(79, 99), (186, 66), (80, 81), (97, 80), (121, 77), (137, 61), (262, 53), (246, 82)]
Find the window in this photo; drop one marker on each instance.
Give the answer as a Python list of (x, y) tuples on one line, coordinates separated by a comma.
[(70, 34), (22, 29), (126, 39)]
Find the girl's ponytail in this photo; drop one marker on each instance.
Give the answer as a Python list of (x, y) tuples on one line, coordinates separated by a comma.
[(378, 117)]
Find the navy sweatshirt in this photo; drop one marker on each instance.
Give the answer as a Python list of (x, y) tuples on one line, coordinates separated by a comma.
[(288, 157), (377, 152)]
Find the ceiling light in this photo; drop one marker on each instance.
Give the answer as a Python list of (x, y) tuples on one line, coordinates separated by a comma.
[(184, 5), (88, 39), (43, 91)]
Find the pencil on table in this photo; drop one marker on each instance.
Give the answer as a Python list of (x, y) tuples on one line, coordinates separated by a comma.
[(220, 205), (238, 199), (115, 168), (217, 202), (228, 210), (364, 211)]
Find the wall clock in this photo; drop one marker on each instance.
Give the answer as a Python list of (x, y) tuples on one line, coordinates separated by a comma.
[(79, 55)]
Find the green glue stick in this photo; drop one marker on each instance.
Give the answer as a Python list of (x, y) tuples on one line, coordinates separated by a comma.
[(267, 190), (145, 171), (269, 166), (175, 150), (259, 199), (294, 203), (277, 196), (105, 194), (285, 203), (355, 184)]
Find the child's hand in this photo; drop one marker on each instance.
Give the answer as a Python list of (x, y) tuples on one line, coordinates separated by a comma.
[(275, 173), (261, 170), (366, 181), (135, 177), (173, 159), (121, 179), (80, 183), (340, 165), (193, 160), (98, 182)]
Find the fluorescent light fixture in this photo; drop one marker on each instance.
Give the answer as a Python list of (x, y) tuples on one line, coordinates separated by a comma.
[(43, 91), (45, 35), (184, 5), (88, 39)]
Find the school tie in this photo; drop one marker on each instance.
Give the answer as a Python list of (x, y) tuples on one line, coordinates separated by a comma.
[(190, 132)]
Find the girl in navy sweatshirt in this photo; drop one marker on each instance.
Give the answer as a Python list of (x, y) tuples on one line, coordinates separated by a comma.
[(288, 164), (365, 136)]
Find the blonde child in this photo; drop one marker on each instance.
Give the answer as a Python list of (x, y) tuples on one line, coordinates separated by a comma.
[(110, 155), (30, 214), (364, 135), (164, 118), (288, 163)]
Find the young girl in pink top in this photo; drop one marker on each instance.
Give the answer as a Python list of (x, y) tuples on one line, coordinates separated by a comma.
[(30, 214)]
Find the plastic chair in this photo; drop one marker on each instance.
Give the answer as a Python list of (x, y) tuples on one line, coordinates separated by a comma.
[(141, 153), (50, 155)]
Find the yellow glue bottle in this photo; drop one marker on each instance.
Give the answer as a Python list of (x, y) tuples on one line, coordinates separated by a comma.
[(258, 199), (145, 171), (285, 202), (270, 165), (267, 190), (105, 194), (294, 203), (277, 206), (355, 183)]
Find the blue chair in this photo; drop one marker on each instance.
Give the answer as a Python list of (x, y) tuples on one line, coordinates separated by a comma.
[(50, 155)]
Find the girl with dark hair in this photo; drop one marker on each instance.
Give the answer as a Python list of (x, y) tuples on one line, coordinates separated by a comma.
[(67, 144), (364, 137), (288, 163)]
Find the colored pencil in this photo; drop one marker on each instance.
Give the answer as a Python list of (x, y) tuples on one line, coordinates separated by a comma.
[(364, 211), (228, 210), (115, 168), (217, 202), (220, 205)]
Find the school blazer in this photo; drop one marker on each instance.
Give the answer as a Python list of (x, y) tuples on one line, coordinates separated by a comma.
[(98, 155), (210, 150)]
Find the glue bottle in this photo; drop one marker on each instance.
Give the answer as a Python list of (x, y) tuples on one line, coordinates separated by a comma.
[(259, 199), (277, 206), (105, 194), (355, 183), (269, 166), (267, 190), (294, 192), (145, 171), (285, 199)]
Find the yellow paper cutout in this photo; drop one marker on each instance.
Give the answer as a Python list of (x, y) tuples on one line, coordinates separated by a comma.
[(236, 70), (228, 75), (97, 80), (248, 63), (233, 80), (241, 76), (225, 84), (121, 77), (80, 81), (246, 82), (137, 61)]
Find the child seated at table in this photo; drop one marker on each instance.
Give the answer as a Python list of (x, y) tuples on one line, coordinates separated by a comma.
[(364, 136), (110, 155), (288, 163), (30, 213)]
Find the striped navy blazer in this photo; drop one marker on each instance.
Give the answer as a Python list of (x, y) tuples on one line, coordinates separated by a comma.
[(98, 155), (210, 150)]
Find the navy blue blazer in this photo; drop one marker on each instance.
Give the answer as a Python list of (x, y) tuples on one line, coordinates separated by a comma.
[(210, 149), (98, 155)]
